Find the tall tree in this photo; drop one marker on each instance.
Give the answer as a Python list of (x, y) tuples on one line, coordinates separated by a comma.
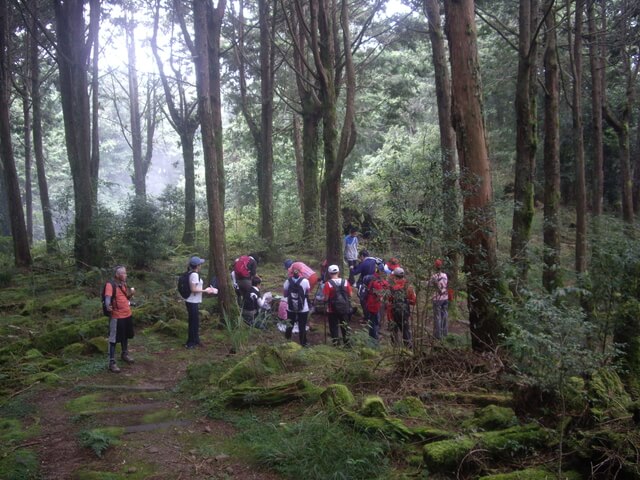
[(22, 254), (206, 51), (478, 224), (73, 48), (551, 277), (526, 136), (575, 51), (596, 64), (182, 115), (623, 44), (447, 134)]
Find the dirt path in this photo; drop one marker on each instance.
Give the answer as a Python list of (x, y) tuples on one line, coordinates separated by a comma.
[(164, 437)]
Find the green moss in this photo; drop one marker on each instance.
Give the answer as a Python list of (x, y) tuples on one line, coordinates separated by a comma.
[(99, 344), (446, 455), (49, 378), (373, 406), (514, 440), (575, 394), (173, 328), (64, 303), (20, 464), (32, 354), (607, 395), (431, 434), (87, 403), (337, 397), (480, 399), (160, 416), (411, 407), (74, 350), (11, 431), (492, 417), (244, 395), (63, 336), (386, 426), (533, 474)]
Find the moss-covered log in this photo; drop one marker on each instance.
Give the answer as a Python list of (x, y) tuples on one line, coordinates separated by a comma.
[(492, 417), (448, 454), (242, 396), (373, 406), (476, 398), (63, 336), (533, 474)]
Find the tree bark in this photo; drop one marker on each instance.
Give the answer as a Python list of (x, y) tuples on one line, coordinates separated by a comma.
[(447, 137), (28, 160), (38, 150), (95, 97), (299, 157), (21, 252), (207, 26), (478, 224), (596, 64), (576, 110), (551, 276), (73, 50), (526, 138)]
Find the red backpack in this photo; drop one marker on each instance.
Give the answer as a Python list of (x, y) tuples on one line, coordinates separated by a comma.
[(241, 267)]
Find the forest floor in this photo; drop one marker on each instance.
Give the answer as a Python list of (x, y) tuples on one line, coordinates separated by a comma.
[(165, 434)]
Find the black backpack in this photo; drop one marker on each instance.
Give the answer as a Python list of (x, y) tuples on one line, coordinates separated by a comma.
[(400, 304), (106, 312), (295, 295), (340, 302), (184, 289)]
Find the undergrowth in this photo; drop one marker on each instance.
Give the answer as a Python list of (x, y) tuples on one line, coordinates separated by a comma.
[(313, 447)]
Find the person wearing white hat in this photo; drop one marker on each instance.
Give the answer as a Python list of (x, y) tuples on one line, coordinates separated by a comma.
[(337, 292), (194, 300)]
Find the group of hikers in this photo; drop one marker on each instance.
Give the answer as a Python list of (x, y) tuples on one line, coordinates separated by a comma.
[(382, 289)]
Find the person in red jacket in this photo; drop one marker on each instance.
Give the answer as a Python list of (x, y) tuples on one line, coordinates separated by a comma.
[(400, 298), (337, 292), (377, 288), (116, 300)]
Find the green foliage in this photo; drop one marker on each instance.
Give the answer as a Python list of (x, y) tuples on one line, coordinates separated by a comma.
[(21, 464), (314, 447), (99, 439)]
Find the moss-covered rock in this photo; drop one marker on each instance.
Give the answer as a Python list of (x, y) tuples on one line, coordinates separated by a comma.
[(446, 455), (49, 378), (63, 336), (410, 407), (265, 360), (32, 354), (337, 397), (245, 395), (99, 344), (373, 406), (607, 395), (173, 328), (492, 417), (74, 350), (576, 394), (533, 474), (64, 303), (386, 426)]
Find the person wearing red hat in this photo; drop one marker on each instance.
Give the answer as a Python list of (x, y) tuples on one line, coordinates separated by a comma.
[(440, 301)]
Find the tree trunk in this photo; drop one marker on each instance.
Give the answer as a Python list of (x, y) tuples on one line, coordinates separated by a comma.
[(576, 109), (207, 25), (447, 137), (22, 255), (526, 139), (596, 64), (138, 178), (479, 225), (184, 121), (38, 150), (73, 51), (551, 276), (95, 98), (298, 155), (28, 192)]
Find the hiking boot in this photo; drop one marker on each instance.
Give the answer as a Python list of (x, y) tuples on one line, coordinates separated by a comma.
[(127, 358), (114, 368)]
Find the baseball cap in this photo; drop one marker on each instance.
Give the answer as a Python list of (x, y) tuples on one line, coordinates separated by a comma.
[(195, 261), (288, 263), (398, 272), (333, 269)]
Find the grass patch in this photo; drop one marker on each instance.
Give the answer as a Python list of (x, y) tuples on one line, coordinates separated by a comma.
[(314, 447), (21, 464)]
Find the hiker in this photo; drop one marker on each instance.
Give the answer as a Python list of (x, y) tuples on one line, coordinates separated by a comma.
[(254, 302), (351, 251), (391, 264), (376, 288), (399, 300), (296, 290), (116, 301), (244, 269), (367, 266), (194, 300), (440, 301), (337, 293), (304, 270)]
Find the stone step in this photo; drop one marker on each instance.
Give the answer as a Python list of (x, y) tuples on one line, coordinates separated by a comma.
[(149, 427), (131, 388)]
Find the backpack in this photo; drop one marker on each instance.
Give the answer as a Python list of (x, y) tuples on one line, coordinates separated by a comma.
[(106, 312), (295, 295), (400, 304), (183, 284), (241, 267), (340, 302)]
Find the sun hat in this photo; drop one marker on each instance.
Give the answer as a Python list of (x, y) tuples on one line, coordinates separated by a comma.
[(333, 269)]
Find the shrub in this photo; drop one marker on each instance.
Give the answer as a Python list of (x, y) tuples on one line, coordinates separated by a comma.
[(144, 237)]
